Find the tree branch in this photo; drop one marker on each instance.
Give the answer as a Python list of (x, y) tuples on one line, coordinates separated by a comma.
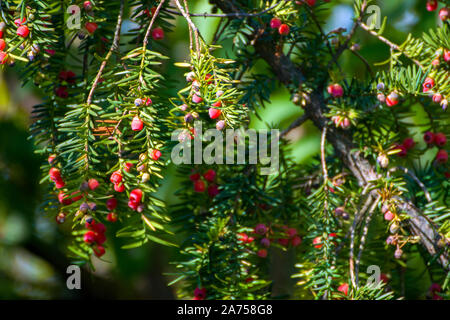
[(291, 76)]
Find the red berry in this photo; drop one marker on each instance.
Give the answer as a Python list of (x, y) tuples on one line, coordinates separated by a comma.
[(158, 34), (439, 139), (408, 143), (311, 2), (199, 294), (335, 90), (99, 251), (403, 151), (87, 5), (213, 190), (116, 177), (89, 237), (275, 23), (296, 241), (432, 5), (217, 104), (210, 175), (111, 217), (91, 27), (59, 184), (343, 288), (156, 154), (99, 228), (196, 99), (317, 241), (3, 57), (2, 44), (120, 187), (199, 186), (392, 99), (111, 204), (262, 253), (444, 14), (428, 84), (100, 238), (55, 174), (214, 113), (242, 237), (137, 124), (136, 196), (388, 216), (133, 205), (128, 166), (437, 98), (61, 92), (428, 137), (447, 55), (283, 242), (93, 184), (284, 29), (60, 218), (442, 156), (51, 158), (265, 242)]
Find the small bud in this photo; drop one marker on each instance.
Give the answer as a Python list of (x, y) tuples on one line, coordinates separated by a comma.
[(383, 160)]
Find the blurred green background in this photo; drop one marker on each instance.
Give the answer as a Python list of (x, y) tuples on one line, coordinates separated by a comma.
[(32, 246)]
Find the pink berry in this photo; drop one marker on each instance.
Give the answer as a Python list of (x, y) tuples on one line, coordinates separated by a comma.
[(335, 90), (93, 184), (388, 216), (137, 124), (442, 157), (284, 29), (214, 113), (91, 27), (136, 196), (262, 253), (428, 137), (444, 14), (156, 154), (343, 288), (199, 294), (261, 229), (432, 5), (199, 186), (23, 31), (111, 204)]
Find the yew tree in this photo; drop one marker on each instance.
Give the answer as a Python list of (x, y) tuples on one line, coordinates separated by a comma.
[(374, 198)]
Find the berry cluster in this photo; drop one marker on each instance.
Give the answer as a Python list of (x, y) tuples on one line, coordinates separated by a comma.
[(440, 140), (201, 181), (283, 29), (266, 235), (432, 5)]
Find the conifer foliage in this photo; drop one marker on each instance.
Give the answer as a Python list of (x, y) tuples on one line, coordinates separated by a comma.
[(377, 195)]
